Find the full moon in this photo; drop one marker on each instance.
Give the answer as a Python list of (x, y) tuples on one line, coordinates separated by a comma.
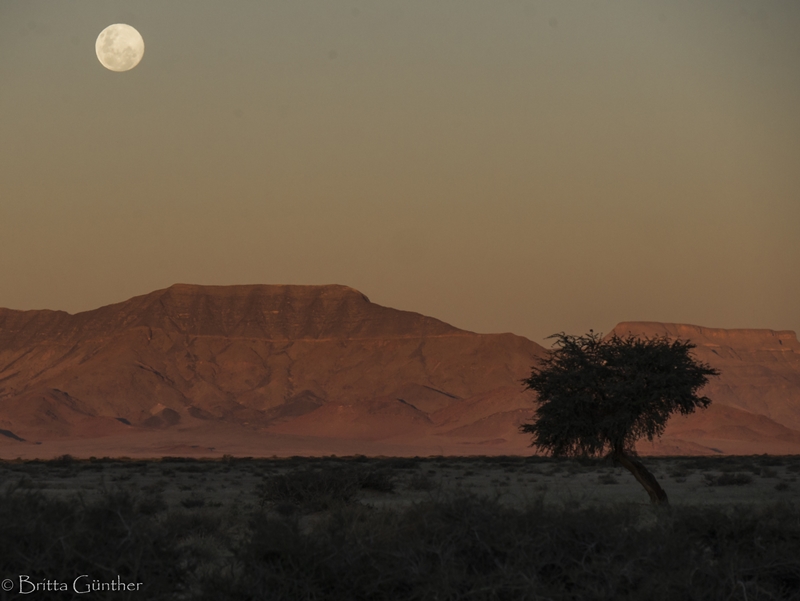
[(119, 47)]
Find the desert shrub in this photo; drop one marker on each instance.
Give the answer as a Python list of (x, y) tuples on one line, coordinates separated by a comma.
[(735, 479), (770, 460), (380, 480), (59, 539), (194, 469), (401, 463), (312, 490), (27, 483), (475, 548), (192, 502), (421, 481), (679, 471), (576, 468), (201, 522), (151, 503), (607, 479), (67, 472), (782, 486), (701, 463), (725, 479), (62, 461), (766, 472), (501, 460), (592, 462), (447, 548), (739, 466), (794, 466), (169, 459)]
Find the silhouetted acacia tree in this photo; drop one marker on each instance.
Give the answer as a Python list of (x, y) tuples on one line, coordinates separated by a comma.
[(599, 396)]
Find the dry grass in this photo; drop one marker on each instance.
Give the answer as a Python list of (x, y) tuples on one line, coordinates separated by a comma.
[(396, 528)]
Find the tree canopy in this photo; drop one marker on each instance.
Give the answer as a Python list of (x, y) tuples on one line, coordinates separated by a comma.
[(598, 396)]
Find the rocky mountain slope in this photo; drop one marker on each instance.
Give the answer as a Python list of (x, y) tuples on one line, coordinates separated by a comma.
[(263, 370), (257, 356), (756, 397)]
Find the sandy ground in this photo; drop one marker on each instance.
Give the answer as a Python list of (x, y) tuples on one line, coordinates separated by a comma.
[(233, 483), (214, 440)]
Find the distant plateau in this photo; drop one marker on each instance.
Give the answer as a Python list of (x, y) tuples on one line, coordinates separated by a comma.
[(269, 370)]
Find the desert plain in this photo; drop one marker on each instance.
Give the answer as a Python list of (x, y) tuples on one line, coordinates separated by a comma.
[(513, 480), (302, 442), (480, 527)]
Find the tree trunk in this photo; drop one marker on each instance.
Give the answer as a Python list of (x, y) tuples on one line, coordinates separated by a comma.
[(645, 478)]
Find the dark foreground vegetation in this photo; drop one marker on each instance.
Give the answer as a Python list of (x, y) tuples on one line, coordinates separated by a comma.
[(311, 533)]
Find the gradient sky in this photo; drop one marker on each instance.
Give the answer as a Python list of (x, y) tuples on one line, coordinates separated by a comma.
[(502, 165)]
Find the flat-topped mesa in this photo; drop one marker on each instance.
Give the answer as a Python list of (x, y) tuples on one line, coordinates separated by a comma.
[(272, 312), (751, 339), (759, 369), (281, 312), (244, 354)]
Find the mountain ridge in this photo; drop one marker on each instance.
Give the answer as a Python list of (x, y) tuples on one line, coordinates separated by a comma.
[(272, 369)]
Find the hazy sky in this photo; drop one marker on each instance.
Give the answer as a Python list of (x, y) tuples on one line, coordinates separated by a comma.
[(503, 165)]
